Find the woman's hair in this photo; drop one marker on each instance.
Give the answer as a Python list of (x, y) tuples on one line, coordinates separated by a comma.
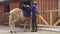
[(34, 3), (28, 2)]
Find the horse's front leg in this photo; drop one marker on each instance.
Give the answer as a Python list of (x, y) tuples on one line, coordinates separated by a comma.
[(25, 24)]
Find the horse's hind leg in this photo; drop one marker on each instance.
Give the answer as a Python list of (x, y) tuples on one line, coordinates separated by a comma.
[(12, 27), (11, 24), (30, 22)]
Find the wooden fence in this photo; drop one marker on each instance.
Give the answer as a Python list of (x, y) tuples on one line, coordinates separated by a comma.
[(49, 18)]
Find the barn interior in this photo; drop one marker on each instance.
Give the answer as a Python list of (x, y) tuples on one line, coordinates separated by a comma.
[(49, 12)]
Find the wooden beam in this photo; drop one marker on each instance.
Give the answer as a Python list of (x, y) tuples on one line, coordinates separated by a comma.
[(57, 22), (50, 17), (43, 20), (55, 10), (40, 25)]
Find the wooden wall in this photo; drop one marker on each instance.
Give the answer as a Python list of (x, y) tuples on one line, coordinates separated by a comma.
[(4, 18), (44, 5), (1, 13), (12, 6)]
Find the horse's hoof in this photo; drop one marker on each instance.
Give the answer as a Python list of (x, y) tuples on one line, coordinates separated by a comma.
[(11, 31), (15, 31)]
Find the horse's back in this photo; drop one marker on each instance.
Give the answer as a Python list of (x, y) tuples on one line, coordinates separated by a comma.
[(17, 14)]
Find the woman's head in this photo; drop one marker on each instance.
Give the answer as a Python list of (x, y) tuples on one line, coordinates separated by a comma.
[(34, 3)]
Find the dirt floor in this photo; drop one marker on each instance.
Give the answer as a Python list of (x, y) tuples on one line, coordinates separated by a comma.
[(6, 30)]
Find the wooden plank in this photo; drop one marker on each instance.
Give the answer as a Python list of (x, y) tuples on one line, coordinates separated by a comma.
[(14, 5), (2, 9), (55, 10), (39, 9), (40, 6), (42, 10), (1, 18), (6, 18), (51, 18), (40, 25), (43, 19), (57, 22), (37, 18)]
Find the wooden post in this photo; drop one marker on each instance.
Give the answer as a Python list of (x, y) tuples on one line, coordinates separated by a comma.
[(51, 18)]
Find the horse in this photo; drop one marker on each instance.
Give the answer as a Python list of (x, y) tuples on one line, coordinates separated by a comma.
[(15, 15)]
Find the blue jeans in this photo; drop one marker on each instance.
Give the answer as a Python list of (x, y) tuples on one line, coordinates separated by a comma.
[(34, 24), (26, 13)]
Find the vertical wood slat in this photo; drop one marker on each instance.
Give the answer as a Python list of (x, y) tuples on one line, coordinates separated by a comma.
[(44, 2), (1, 14), (46, 9), (51, 18), (39, 9), (14, 5), (42, 13), (55, 17), (42, 9), (52, 3), (53, 12), (2, 9), (47, 12), (37, 18), (53, 8), (56, 13), (1, 18), (50, 9), (40, 6)]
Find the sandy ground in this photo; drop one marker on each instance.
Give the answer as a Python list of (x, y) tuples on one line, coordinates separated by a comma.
[(6, 30)]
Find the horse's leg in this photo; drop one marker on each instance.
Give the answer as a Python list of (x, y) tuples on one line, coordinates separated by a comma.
[(11, 25), (25, 25), (29, 23), (11, 28), (14, 27)]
